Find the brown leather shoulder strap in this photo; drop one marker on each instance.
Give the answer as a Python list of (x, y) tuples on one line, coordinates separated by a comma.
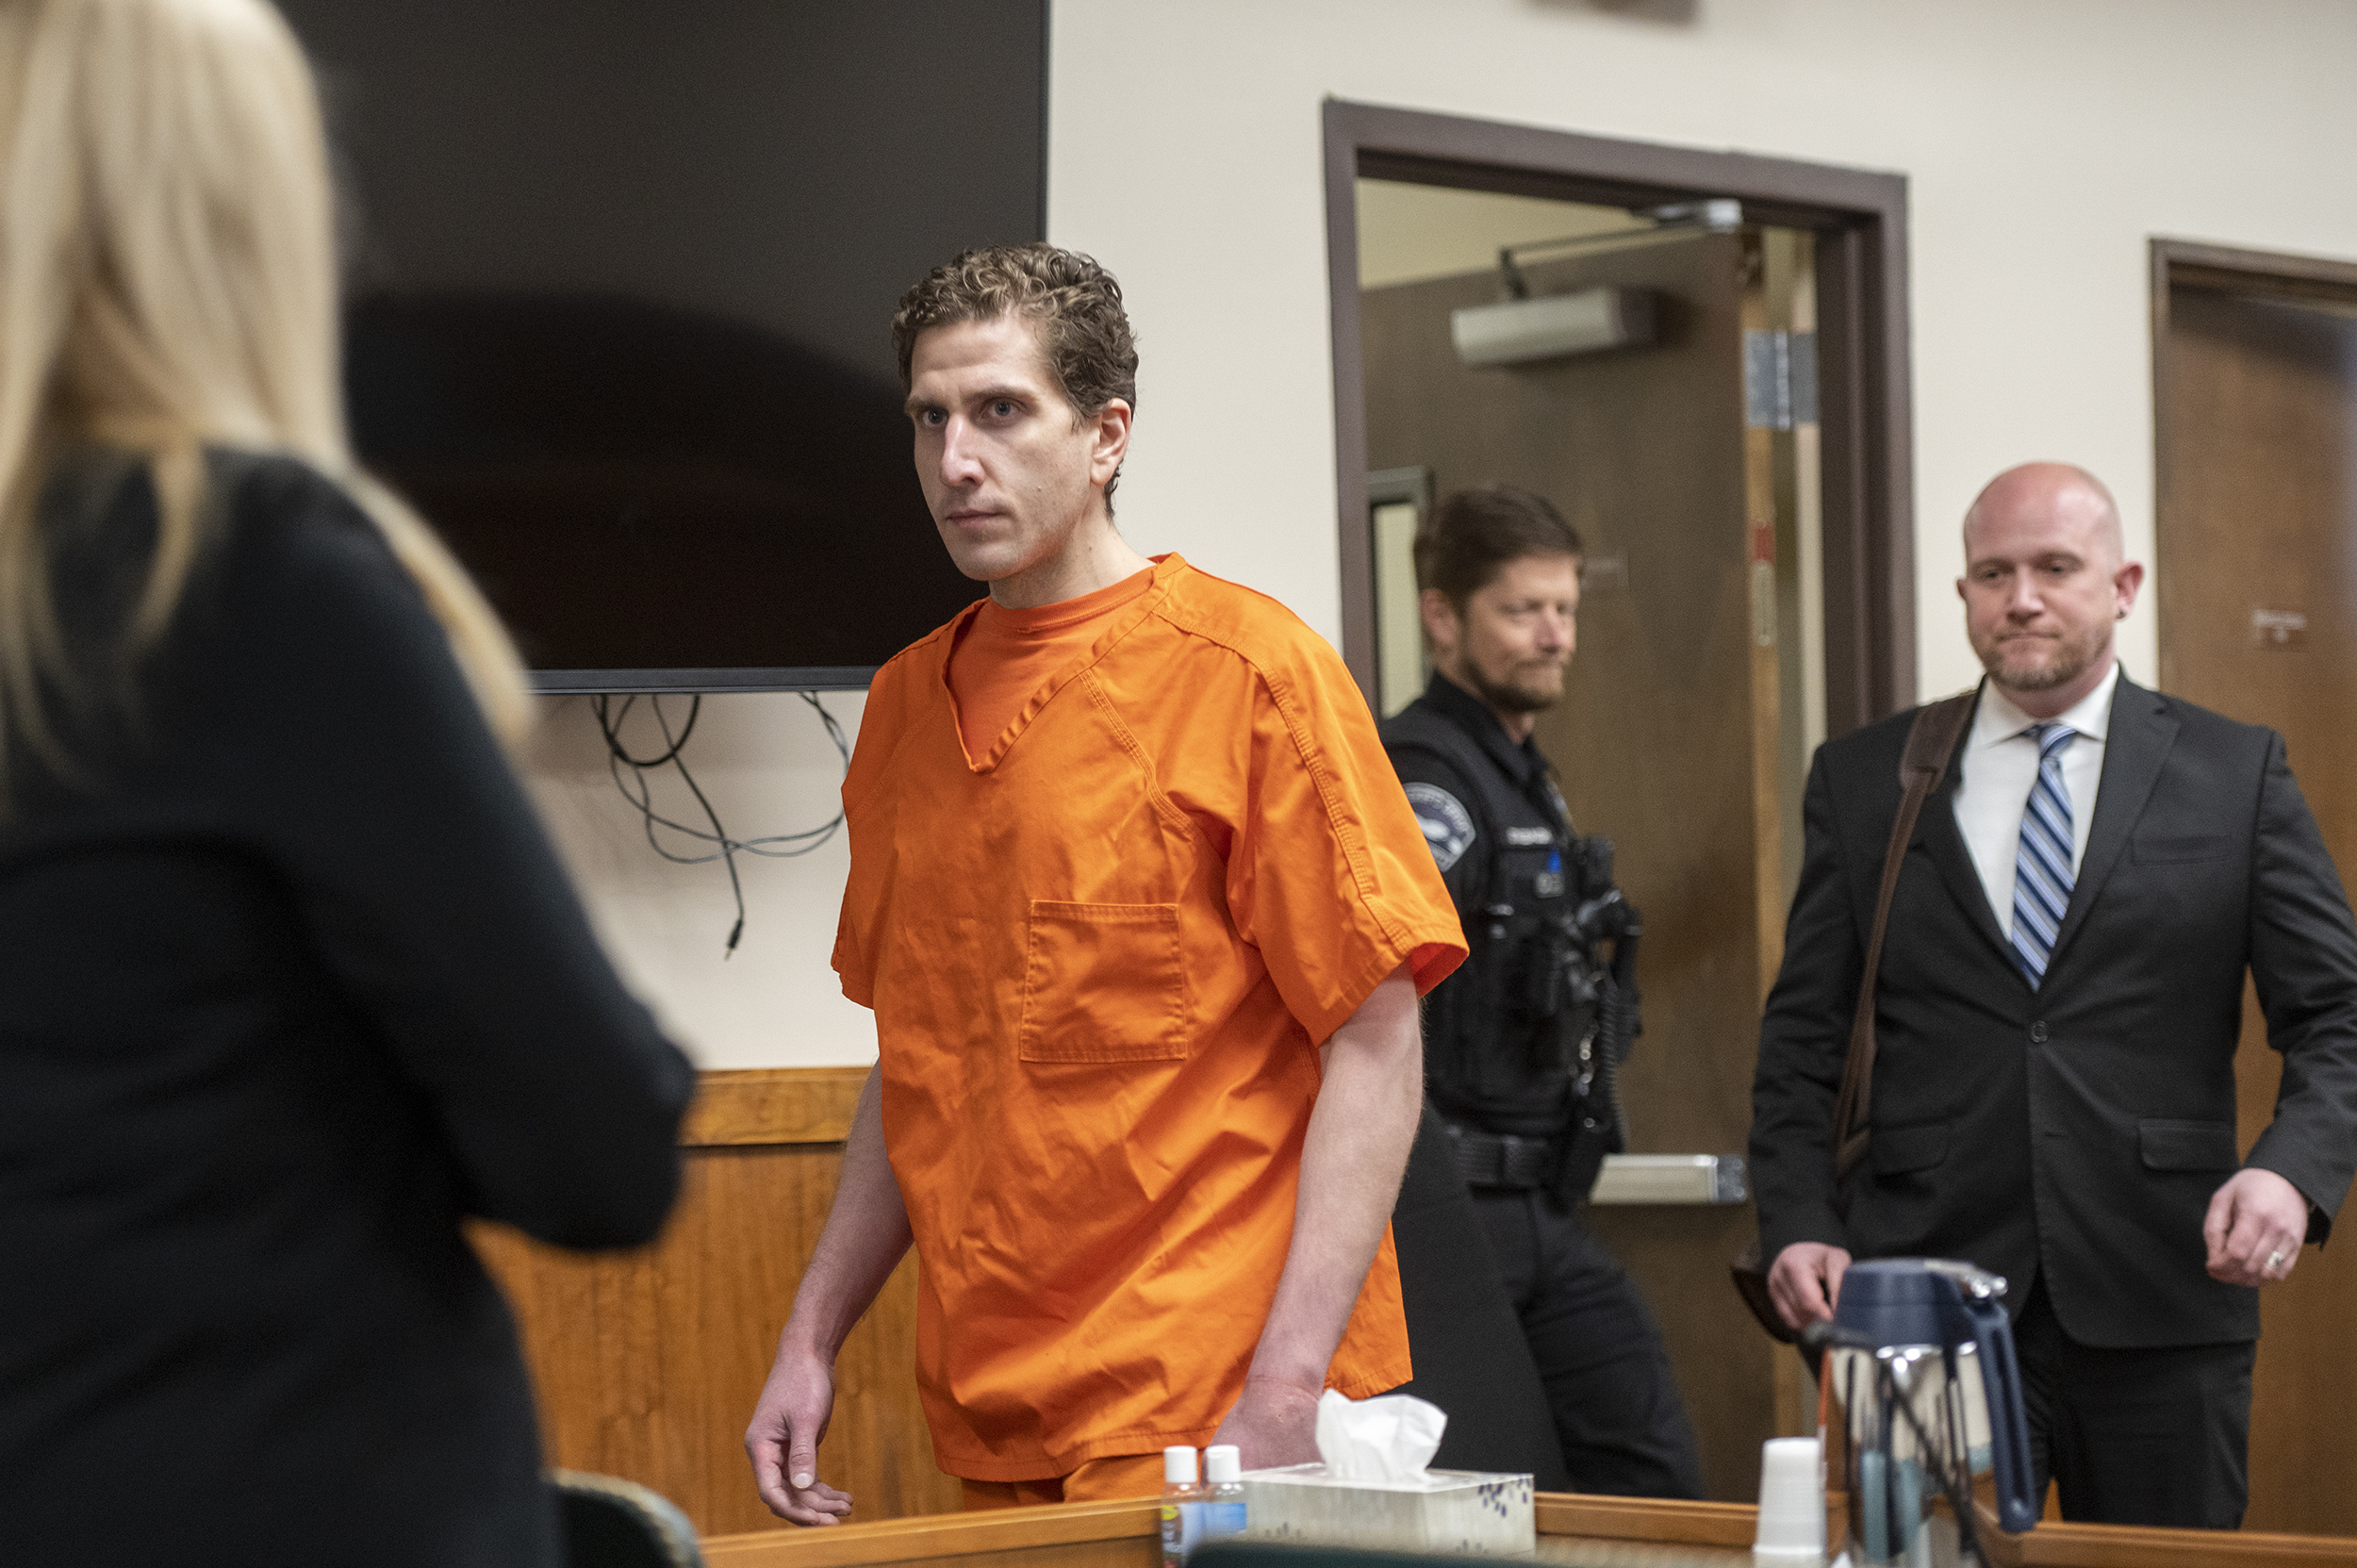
[(1931, 741)]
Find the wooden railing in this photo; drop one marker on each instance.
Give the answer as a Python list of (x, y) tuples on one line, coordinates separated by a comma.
[(1640, 1530)]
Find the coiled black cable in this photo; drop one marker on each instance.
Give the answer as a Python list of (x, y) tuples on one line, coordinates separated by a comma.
[(776, 846)]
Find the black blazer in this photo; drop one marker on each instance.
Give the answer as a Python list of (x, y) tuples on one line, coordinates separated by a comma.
[(2076, 1132), (290, 982)]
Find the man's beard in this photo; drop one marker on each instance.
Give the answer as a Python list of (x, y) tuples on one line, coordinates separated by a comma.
[(2072, 658), (1505, 696)]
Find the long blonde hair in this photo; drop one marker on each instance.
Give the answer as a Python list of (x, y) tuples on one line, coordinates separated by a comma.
[(167, 282)]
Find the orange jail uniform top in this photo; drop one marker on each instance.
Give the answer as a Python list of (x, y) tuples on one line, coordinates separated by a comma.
[(1101, 956), (1003, 655)]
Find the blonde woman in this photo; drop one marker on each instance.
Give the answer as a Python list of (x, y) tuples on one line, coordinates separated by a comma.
[(290, 978)]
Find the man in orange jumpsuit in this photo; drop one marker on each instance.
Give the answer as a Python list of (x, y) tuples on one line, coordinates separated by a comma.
[(1142, 916)]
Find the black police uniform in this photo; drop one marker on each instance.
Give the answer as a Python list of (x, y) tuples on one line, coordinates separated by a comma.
[(1503, 1042)]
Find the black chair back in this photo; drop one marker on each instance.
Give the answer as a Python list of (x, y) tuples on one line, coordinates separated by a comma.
[(611, 1522)]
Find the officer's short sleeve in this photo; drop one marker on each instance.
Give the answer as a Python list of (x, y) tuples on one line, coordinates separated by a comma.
[(1442, 798)]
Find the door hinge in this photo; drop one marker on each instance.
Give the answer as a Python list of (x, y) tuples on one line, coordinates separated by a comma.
[(1779, 379)]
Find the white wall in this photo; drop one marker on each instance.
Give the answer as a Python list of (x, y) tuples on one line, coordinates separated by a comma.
[(767, 768), (2044, 144)]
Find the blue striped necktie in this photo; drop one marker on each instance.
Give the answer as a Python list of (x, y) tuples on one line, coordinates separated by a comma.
[(2041, 868)]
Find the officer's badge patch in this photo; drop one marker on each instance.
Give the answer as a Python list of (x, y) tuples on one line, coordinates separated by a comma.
[(1447, 825)]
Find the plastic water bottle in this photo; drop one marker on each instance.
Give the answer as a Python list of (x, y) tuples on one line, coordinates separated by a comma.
[(1183, 1506), (1223, 1510)]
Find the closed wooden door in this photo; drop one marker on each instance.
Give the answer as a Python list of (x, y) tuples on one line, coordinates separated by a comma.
[(2256, 557), (1667, 738)]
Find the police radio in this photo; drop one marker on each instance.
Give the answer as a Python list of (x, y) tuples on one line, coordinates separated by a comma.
[(1596, 1000)]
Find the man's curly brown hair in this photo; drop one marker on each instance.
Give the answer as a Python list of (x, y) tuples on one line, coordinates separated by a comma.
[(1074, 302)]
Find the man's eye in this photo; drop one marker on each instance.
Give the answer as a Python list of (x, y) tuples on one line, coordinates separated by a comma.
[(1001, 408)]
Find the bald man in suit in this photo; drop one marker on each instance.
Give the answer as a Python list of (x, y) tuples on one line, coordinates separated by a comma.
[(2057, 1014)]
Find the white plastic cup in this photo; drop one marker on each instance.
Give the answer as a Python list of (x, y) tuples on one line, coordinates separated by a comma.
[(1792, 1501)]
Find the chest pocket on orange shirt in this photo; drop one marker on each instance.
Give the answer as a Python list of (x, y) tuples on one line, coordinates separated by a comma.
[(1102, 982)]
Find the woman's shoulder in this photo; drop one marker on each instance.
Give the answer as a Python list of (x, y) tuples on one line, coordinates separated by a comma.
[(287, 542), (274, 503)]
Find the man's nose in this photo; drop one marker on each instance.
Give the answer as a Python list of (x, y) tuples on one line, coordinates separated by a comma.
[(2022, 600), (960, 466), (1554, 630)]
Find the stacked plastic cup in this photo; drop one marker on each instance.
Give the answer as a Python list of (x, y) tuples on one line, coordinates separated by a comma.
[(1791, 1503)]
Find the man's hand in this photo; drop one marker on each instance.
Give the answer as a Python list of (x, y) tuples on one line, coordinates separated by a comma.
[(866, 1235), (796, 1405), (2256, 1223), (1805, 1282), (1275, 1422)]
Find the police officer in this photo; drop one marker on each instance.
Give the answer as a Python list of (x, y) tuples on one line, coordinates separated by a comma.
[(1521, 1042)]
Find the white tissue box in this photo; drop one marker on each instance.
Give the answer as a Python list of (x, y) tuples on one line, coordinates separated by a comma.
[(1442, 1510)]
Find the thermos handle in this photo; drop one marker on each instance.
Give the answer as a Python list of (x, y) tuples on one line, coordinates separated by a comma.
[(2008, 1424)]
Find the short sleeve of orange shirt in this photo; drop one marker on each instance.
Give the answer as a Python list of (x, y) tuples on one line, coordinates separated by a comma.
[(1101, 958)]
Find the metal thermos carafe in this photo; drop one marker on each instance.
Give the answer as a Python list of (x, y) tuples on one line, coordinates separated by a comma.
[(1922, 1412)]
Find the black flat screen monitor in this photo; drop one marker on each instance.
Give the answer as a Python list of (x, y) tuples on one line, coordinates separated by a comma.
[(621, 280)]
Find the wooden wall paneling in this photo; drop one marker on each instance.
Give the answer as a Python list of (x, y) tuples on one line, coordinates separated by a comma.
[(1642, 449), (648, 1362), (2256, 437), (774, 1105)]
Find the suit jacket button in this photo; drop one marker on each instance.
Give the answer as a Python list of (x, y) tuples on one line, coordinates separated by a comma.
[(2038, 1032)]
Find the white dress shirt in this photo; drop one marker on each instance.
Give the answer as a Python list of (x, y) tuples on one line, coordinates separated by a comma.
[(1999, 766)]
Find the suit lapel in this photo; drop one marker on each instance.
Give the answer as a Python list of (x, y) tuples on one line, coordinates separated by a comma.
[(2142, 732)]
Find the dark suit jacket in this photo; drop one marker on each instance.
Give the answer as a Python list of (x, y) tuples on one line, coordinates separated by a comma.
[(2077, 1130)]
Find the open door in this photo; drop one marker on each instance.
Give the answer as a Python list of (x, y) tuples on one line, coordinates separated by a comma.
[(1687, 713)]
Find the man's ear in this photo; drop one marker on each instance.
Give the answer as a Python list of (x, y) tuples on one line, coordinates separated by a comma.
[(2125, 581), (1109, 441), (1441, 627)]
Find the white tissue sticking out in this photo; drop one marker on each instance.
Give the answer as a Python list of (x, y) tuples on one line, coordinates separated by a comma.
[(1387, 1439)]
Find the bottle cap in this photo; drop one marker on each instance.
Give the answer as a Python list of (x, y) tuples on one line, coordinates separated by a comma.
[(1221, 1463), (1179, 1465)]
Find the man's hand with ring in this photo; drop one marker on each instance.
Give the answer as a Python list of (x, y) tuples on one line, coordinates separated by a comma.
[(2256, 1223)]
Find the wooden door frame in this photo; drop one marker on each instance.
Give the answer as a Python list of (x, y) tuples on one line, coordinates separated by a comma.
[(1863, 362), (2277, 274)]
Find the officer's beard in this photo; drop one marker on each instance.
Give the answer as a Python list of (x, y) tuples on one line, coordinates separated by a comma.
[(1536, 695)]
